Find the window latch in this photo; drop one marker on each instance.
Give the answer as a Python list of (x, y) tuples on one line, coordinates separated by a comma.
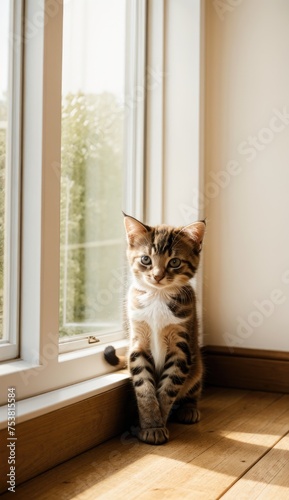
[(92, 339)]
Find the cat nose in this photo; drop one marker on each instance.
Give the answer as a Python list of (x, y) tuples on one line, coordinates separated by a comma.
[(158, 277)]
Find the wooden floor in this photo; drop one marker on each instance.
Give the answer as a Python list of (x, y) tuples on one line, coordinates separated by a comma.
[(239, 450)]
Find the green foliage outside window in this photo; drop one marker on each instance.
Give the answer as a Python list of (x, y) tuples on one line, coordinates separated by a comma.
[(90, 218), (91, 201)]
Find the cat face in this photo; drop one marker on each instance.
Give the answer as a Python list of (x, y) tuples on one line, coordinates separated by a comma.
[(163, 257)]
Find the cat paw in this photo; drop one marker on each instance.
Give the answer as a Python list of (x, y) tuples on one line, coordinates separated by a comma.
[(154, 435), (188, 415)]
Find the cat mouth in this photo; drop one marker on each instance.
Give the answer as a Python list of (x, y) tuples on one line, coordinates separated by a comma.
[(155, 284), (159, 284)]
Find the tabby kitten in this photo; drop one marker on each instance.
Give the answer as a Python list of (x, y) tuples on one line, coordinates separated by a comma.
[(164, 356)]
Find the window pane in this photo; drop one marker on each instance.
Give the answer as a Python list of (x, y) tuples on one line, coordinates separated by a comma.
[(92, 166), (4, 72)]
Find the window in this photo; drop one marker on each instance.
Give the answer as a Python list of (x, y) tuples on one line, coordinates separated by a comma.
[(92, 167), (10, 91), (82, 162), (103, 71)]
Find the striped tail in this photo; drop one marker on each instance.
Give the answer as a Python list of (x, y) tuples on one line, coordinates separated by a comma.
[(114, 360)]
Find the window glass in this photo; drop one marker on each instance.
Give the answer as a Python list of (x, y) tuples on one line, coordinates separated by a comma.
[(5, 13), (92, 166)]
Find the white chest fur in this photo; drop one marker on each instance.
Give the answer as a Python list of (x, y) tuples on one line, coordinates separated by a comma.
[(155, 312)]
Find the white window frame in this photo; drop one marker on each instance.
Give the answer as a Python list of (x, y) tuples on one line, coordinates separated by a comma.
[(9, 345), (135, 93), (41, 368), (175, 111)]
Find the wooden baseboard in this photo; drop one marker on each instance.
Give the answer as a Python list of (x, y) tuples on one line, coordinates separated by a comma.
[(53, 438), (247, 368)]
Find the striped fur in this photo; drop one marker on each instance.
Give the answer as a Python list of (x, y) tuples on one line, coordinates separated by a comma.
[(164, 357)]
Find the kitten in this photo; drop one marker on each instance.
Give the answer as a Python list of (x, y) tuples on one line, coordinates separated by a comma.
[(164, 356)]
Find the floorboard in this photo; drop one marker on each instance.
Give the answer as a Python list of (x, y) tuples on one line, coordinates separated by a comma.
[(268, 478), (239, 449)]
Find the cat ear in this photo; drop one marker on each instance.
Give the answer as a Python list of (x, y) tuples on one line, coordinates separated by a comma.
[(196, 232), (134, 228)]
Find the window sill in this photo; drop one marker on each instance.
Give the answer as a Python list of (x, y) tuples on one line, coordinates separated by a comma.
[(60, 398), (66, 370)]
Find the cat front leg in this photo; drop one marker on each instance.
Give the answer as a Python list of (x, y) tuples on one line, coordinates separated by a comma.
[(180, 383), (170, 383), (152, 426), (177, 372)]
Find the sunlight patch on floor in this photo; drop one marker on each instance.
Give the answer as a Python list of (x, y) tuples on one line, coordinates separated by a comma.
[(248, 437)]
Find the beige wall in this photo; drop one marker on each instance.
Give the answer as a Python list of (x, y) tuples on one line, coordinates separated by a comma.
[(246, 260)]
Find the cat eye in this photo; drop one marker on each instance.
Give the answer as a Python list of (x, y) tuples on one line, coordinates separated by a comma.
[(146, 260), (175, 263)]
